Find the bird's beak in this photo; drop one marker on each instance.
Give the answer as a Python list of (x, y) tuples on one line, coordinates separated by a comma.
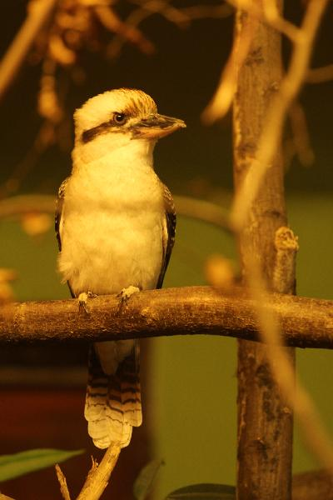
[(156, 126)]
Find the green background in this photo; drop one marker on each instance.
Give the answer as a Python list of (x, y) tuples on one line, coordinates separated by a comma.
[(193, 381)]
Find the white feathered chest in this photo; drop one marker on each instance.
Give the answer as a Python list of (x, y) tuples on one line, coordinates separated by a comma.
[(111, 228)]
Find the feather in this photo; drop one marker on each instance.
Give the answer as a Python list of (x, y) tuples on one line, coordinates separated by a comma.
[(115, 224), (113, 402)]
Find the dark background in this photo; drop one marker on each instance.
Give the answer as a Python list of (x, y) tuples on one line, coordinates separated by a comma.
[(191, 409), (181, 76)]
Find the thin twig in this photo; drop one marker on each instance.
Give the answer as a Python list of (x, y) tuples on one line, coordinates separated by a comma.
[(98, 477), (127, 32), (272, 132), (301, 137), (63, 483), (38, 13), (315, 484), (203, 210), (44, 138), (16, 206), (206, 12), (223, 97), (182, 17), (268, 15), (320, 75)]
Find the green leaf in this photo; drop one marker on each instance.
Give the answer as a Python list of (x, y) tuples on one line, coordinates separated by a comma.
[(204, 492), (145, 479), (21, 463)]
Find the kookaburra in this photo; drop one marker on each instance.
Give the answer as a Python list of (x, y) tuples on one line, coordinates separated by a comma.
[(115, 224)]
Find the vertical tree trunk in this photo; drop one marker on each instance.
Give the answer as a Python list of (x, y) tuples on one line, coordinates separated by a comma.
[(264, 421)]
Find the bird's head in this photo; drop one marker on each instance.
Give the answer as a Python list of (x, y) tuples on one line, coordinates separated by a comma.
[(121, 116)]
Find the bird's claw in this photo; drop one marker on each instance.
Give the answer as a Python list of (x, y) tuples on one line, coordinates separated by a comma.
[(125, 295), (83, 301)]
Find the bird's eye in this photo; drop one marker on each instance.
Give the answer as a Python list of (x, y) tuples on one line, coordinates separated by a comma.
[(119, 118)]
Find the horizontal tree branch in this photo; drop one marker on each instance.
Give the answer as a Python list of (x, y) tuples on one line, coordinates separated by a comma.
[(316, 484), (204, 210), (305, 322)]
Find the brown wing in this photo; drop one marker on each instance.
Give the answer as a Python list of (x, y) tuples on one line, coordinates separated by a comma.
[(57, 219), (169, 232), (58, 210)]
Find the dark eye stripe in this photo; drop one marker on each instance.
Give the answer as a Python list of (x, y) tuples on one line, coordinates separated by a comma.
[(90, 134)]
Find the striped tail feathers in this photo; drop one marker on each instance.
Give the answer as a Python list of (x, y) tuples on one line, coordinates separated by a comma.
[(113, 402)]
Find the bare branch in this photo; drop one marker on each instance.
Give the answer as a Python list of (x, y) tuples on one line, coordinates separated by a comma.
[(269, 15), (203, 210), (182, 17), (305, 322), (265, 422), (206, 11), (272, 131), (282, 367), (44, 138), (301, 138), (320, 75), (313, 484), (99, 475), (39, 11), (63, 483), (17, 206), (223, 97), (127, 32)]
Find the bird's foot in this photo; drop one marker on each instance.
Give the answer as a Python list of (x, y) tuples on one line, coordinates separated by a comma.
[(83, 301), (125, 295)]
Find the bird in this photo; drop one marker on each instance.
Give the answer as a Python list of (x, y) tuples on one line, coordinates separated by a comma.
[(115, 225)]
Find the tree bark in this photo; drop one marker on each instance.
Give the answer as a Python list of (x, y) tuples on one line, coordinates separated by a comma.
[(305, 322), (264, 421), (312, 485)]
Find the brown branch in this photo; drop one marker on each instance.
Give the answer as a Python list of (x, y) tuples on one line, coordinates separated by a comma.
[(128, 33), (305, 322), (44, 138), (268, 15), (271, 134), (320, 75), (16, 206), (258, 209), (203, 210), (39, 11), (312, 485), (281, 360), (63, 483), (99, 475), (301, 137), (265, 421), (207, 211), (225, 92), (181, 17)]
